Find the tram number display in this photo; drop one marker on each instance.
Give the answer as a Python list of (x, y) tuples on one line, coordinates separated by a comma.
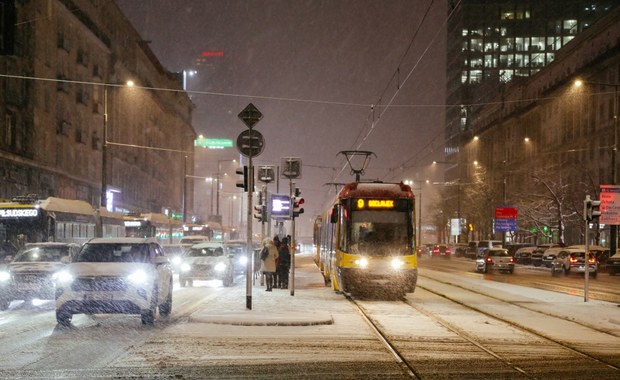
[(379, 204), (19, 213)]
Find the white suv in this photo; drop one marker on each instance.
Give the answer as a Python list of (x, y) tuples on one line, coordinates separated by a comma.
[(116, 275)]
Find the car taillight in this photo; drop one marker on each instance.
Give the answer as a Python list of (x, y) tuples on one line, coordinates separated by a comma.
[(592, 260), (489, 260), (435, 251), (572, 260), (447, 251), (512, 260)]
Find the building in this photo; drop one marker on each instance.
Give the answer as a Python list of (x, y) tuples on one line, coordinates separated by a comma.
[(64, 64), (544, 143), (495, 42)]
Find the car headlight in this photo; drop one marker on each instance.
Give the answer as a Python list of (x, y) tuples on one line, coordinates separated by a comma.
[(243, 260), (63, 277), (220, 267), (176, 260), (397, 263), (4, 276), (185, 267), (362, 262), (138, 277)]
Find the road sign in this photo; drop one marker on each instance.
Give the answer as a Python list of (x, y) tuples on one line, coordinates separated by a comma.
[(291, 167), (505, 213), (250, 141), (610, 205), (250, 115), (506, 225)]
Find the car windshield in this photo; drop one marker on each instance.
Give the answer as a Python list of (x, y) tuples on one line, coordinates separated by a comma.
[(498, 253), (113, 253), (42, 254), (206, 252), (236, 249)]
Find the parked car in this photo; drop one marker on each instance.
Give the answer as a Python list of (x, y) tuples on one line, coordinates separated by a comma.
[(524, 255), (116, 276), (549, 255), (537, 254), (31, 272), (572, 260), (207, 261), (495, 259), (483, 245), (472, 249), (459, 249), (613, 264), (600, 253), (441, 250)]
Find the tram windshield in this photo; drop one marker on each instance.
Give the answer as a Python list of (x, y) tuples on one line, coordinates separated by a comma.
[(379, 232)]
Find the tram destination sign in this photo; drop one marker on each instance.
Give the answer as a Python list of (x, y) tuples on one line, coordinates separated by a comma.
[(19, 213)]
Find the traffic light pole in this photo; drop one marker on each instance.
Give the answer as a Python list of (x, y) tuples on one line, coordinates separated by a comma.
[(249, 272), (291, 281)]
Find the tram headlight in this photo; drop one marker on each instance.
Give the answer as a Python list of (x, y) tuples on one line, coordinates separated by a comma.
[(185, 267), (176, 261), (397, 263), (362, 262)]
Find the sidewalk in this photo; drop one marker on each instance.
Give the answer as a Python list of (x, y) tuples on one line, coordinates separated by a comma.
[(308, 306)]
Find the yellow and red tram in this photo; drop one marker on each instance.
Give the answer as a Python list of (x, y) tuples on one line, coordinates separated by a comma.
[(365, 241)]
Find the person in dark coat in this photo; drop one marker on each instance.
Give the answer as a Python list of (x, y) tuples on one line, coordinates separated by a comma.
[(284, 264)]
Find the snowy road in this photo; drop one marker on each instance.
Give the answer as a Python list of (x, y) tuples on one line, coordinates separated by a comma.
[(456, 326)]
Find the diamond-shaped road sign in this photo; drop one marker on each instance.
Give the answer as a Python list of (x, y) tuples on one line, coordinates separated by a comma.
[(250, 115)]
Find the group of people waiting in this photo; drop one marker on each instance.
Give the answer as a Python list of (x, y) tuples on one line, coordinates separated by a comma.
[(275, 262)]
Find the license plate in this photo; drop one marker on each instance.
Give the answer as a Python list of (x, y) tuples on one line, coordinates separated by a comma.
[(98, 297)]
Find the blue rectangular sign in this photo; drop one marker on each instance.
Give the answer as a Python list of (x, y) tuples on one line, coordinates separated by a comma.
[(506, 225)]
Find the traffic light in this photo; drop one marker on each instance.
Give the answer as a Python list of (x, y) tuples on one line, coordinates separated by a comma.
[(259, 213), (243, 172), (297, 201), (591, 209)]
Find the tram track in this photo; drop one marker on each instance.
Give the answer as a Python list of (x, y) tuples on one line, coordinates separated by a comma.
[(520, 326), (499, 354)]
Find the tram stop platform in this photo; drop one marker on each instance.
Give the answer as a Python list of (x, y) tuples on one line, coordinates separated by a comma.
[(308, 305)]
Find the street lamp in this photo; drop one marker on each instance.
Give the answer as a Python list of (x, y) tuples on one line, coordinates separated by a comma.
[(613, 229), (219, 171), (104, 146)]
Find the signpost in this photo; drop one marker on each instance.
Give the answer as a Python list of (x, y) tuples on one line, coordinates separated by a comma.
[(506, 219), (610, 205), (250, 146)]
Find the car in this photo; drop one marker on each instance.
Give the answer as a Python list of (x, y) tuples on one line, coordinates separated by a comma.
[(189, 240), (472, 249), (116, 276), (613, 264), (207, 261), (176, 253), (459, 249), (549, 255), (240, 258), (441, 250), (599, 252), (572, 260), (538, 253), (495, 259), (523, 255), (30, 274), (483, 245)]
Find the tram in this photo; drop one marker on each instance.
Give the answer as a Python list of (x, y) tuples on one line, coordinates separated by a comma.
[(27, 219), (365, 241), (154, 225)]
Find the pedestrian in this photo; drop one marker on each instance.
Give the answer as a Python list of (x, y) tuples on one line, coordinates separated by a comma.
[(284, 264), (268, 257), (277, 243)]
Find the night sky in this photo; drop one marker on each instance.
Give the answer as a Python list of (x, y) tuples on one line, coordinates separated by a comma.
[(314, 69)]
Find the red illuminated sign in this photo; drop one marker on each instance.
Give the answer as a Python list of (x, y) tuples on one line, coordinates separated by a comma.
[(212, 53), (505, 213)]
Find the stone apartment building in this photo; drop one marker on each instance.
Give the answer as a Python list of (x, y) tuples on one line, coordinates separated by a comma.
[(63, 69)]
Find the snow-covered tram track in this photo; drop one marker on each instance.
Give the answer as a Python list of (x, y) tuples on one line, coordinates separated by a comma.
[(568, 341)]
